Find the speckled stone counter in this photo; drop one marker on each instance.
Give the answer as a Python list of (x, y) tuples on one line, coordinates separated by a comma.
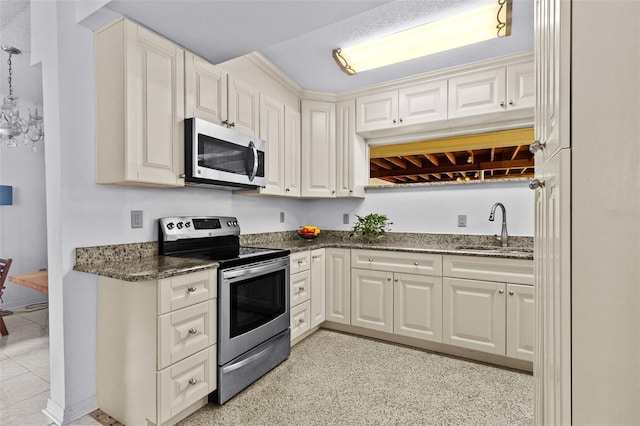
[(140, 262)]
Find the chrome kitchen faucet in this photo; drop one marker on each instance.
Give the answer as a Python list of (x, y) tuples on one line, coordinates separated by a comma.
[(503, 238)]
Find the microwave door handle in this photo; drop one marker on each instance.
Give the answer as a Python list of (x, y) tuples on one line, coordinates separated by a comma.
[(254, 172)]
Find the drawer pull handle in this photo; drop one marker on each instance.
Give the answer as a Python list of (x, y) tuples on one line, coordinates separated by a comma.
[(301, 320), (500, 291), (315, 257), (191, 289), (416, 263), (371, 259), (192, 331), (511, 293), (300, 289), (193, 381), (300, 261)]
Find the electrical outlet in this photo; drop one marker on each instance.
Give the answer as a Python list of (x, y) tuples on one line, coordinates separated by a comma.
[(281, 217), (462, 220), (345, 218), (136, 218)]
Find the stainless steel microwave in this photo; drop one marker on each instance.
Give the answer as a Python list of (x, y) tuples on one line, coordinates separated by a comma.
[(221, 157)]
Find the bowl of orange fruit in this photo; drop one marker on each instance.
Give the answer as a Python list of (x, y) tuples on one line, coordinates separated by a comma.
[(309, 232)]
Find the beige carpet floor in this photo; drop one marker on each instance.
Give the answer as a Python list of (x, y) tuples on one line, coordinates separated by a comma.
[(339, 379)]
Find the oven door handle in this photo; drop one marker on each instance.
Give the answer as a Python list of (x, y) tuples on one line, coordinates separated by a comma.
[(256, 270), (252, 358)]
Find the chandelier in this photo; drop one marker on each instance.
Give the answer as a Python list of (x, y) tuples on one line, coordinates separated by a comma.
[(13, 128)]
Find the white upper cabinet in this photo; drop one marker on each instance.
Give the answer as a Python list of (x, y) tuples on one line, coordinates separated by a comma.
[(351, 153), (521, 87), (243, 106), (416, 104), (205, 90), (291, 152), (272, 130), (318, 149), (139, 107)]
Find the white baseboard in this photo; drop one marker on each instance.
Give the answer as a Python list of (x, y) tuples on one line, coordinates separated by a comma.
[(9, 306), (64, 416)]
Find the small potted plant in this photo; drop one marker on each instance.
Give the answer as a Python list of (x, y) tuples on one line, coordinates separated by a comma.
[(372, 227)]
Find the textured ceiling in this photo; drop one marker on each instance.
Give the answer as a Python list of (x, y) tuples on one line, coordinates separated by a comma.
[(15, 28)]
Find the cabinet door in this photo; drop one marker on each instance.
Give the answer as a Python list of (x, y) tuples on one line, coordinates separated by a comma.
[(520, 320), (417, 310), (272, 130), (377, 111), (338, 285), (318, 163), (422, 103), (300, 319), (317, 287), (351, 155), (291, 152), (474, 315), (243, 106), (205, 90), (521, 86), (372, 299), (155, 108), (477, 93)]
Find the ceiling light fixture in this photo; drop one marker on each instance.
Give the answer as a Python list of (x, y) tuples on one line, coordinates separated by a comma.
[(487, 22), (12, 127)]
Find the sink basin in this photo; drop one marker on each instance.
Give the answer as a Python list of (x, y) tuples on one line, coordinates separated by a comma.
[(497, 248)]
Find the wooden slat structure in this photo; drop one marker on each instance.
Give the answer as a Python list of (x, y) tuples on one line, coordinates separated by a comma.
[(493, 155)]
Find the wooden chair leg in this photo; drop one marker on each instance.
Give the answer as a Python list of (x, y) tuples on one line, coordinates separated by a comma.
[(3, 327)]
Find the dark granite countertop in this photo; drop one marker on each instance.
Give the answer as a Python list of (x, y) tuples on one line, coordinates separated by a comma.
[(139, 262)]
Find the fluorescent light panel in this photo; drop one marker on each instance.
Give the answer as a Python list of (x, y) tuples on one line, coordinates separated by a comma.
[(472, 27)]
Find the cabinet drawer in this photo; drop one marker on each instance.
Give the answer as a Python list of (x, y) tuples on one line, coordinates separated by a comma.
[(186, 382), (394, 261), (300, 319), (300, 287), (186, 290), (517, 271), (299, 261), (185, 332)]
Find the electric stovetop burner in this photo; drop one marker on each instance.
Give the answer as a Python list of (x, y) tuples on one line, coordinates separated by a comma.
[(214, 238)]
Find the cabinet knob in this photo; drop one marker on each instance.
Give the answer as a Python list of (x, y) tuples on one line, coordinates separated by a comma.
[(416, 263), (232, 124), (394, 121), (510, 102), (182, 176), (300, 289), (501, 291), (511, 293), (315, 257), (502, 104), (301, 320), (225, 122), (535, 184), (351, 191), (287, 190), (191, 289), (333, 192), (300, 261), (395, 279), (193, 331), (401, 120), (193, 381), (371, 259), (536, 146), (388, 278)]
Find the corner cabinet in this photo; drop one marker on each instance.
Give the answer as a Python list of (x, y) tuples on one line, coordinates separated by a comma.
[(318, 149), (156, 347), (139, 107), (351, 153)]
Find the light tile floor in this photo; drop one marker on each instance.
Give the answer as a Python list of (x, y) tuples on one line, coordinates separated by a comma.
[(24, 371)]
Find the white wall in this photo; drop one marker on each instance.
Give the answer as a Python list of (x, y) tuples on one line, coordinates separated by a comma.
[(434, 209), (23, 232)]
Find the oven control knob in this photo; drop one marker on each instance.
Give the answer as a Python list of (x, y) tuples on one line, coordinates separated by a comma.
[(187, 224), (179, 225), (235, 223), (170, 225), (229, 223)]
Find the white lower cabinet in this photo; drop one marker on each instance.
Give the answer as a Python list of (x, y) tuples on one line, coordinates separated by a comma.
[(520, 320), (372, 299), (417, 306), (307, 291), (338, 285), (156, 347)]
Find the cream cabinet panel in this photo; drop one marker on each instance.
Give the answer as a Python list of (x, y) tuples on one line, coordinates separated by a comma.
[(474, 315), (520, 322), (377, 111), (272, 130), (521, 86), (186, 290), (139, 107), (243, 106), (291, 152), (372, 299), (318, 164), (338, 285), (352, 171), (422, 103), (477, 93), (300, 319), (205, 90), (417, 307), (299, 261), (186, 382), (395, 261), (517, 271), (317, 287), (300, 284)]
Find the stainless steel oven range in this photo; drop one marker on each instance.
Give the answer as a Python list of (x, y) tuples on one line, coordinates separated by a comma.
[(253, 297)]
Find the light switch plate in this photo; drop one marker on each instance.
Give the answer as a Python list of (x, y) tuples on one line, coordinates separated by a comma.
[(462, 220), (136, 219), (345, 218), (281, 217)]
